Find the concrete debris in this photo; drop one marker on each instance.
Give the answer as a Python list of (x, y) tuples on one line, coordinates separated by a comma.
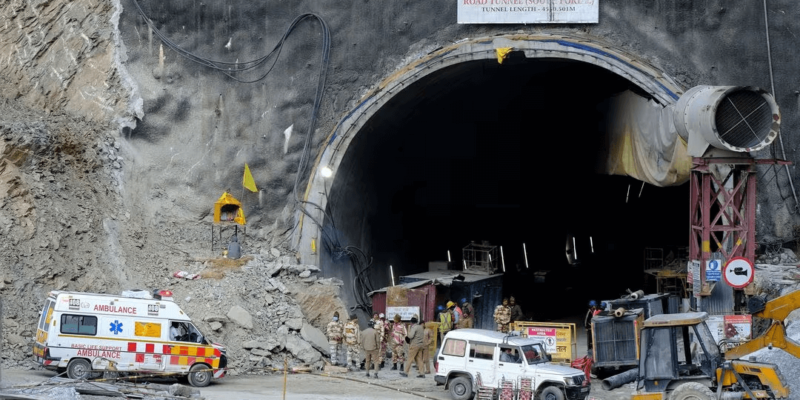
[(241, 317), (316, 338)]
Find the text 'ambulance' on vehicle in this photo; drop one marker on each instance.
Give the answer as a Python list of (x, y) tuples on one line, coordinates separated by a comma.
[(86, 334)]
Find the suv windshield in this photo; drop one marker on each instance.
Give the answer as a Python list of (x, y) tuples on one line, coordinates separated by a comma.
[(534, 353)]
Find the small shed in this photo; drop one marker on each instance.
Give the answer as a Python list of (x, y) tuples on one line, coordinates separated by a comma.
[(228, 213), (428, 290)]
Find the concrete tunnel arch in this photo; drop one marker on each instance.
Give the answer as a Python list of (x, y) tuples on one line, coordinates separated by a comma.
[(649, 79)]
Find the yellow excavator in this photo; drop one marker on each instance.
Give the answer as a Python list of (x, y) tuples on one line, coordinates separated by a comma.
[(680, 359)]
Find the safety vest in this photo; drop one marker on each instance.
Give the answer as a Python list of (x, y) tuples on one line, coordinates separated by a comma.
[(445, 321)]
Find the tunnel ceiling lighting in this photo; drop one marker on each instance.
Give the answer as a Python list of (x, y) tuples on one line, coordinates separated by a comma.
[(628, 193), (640, 190), (502, 259), (391, 272), (326, 172), (465, 264), (525, 253), (591, 243), (448, 256), (574, 248)]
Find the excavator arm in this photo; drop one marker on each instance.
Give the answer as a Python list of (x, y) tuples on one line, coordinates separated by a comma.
[(777, 310)]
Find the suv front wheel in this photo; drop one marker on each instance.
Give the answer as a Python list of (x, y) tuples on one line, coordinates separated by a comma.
[(461, 388), (551, 393)]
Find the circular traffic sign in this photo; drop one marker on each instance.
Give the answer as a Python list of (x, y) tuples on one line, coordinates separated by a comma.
[(738, 272)]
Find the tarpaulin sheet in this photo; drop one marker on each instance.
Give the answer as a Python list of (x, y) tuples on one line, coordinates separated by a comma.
[(641, 142)]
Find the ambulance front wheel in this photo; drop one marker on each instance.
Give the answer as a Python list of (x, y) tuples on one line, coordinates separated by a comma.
[(199, 375), (79, 369)]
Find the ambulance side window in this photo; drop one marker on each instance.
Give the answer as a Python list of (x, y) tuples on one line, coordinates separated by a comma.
[(79, 324)]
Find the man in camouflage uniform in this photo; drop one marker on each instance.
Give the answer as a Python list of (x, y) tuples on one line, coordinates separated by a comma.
[(382, 327), (352, 334), (397, 340), (502, 316), (334, 331)]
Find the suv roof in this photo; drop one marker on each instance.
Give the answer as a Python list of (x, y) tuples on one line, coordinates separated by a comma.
[(484, 335)]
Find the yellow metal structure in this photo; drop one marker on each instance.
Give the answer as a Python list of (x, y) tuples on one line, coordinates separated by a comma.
[(767, 374), (648, 396), (777, 310)]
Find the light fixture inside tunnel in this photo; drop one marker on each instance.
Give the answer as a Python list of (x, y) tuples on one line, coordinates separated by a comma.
[(326, 172)]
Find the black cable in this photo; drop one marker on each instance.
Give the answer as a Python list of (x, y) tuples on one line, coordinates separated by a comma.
[(359, 260)]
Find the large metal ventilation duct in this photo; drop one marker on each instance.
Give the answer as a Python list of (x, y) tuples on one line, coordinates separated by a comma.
[(735, 118)]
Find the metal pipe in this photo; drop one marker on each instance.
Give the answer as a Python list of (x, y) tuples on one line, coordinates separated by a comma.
[(613, 382), (525, 252), (619, 312), (637, 294)]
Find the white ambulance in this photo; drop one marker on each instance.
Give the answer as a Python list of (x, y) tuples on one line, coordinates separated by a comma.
[(86, 334)]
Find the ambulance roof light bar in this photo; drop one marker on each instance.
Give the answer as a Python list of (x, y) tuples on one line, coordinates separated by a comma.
[(162, 294)]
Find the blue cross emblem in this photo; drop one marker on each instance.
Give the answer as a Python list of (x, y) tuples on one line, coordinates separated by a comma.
[(116, 327)]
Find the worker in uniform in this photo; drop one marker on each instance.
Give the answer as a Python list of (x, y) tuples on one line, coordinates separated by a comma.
[(502, 316), (445, 322), (415, 340), (370, 342), (334, 331), (467, 314), (397, 339), (456, 311), (587, 323), (352, 335), (516, 310), (427, 340), (383, 329)]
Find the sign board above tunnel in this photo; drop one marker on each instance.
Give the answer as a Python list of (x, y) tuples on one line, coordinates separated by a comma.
[(528, 11)]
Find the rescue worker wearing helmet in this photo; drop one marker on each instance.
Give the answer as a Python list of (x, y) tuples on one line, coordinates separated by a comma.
[(457, 314), (467, 314), (445, 322), (587, 323)]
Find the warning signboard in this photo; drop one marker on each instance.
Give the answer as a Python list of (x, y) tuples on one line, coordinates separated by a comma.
[(738, 272), (560, 339), (713, 270)]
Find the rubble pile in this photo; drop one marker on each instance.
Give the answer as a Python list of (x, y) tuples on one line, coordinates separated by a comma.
[(261, 313)]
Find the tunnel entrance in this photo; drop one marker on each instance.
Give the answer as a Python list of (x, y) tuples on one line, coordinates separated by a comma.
[(504, 153)]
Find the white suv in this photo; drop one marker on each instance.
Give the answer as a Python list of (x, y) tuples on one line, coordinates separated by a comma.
[(496, 357)]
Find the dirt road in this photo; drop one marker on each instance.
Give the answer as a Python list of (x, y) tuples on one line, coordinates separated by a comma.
[(353, 385)]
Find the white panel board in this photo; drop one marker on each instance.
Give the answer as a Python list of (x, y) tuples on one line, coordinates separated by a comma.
[(528, 11)]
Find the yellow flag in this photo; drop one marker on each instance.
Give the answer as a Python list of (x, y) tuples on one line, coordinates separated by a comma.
[(247, 180)]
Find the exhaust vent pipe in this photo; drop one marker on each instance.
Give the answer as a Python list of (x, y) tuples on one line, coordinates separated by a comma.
[(735, 118)]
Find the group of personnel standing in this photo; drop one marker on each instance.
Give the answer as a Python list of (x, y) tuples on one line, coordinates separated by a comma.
[(379, 336), (506, 313), (451, 316)]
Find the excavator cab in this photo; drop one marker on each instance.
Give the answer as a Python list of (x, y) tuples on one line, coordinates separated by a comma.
[(680, 360), (676, 348)]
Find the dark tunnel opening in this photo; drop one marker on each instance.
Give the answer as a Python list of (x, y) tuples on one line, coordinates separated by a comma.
[(503, 153)]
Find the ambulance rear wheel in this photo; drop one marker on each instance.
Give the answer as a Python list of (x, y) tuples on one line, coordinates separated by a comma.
[(79, 369), (199, 375)]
